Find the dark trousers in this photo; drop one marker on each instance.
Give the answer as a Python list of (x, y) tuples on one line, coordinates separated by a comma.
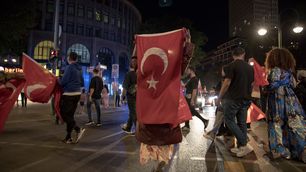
[(23, 100), (97, 105), (117, 100), (132, 113), (68, 105), (237, 109), (194, 113)]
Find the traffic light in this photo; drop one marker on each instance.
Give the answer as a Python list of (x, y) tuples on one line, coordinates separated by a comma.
[(53, 54)]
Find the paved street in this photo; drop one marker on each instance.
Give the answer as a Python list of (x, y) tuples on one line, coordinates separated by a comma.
[(31, 141)]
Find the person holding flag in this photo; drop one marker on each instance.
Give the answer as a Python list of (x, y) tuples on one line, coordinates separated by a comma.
[(160, 103)]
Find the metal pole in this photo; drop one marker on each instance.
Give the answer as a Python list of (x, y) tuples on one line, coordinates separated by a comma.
[(56, 20), (280, 37)]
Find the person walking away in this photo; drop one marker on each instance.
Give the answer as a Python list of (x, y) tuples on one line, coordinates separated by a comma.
[(118, 92), (236, 98), (129, 90), (285, 115), (23, 99), (191, 96), (71, 82), (105, 96), (95, 90)]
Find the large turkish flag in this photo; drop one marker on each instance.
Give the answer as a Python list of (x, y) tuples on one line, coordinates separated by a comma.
[(9, 92), (40, 83), (159, 58)]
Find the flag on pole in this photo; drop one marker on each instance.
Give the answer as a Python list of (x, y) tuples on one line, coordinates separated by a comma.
[(254, 113)]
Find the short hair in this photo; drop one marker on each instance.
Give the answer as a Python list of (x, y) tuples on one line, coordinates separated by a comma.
[(134, 57), (238, 51), (95, 71), (281, 58), (73, 56)]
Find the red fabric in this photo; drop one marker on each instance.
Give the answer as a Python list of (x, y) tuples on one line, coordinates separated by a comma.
[(9, 93), (184, 113), (159, 59), (40, 83), (260, 78), (254, 113), (57, 97)]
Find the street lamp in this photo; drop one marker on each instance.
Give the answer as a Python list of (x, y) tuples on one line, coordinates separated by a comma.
[(262, 31), (298, 29)]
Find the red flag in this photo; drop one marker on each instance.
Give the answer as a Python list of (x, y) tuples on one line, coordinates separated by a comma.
[(9, 93), (254, 113), (40, 83), (184, 113), (260, 78), (158, 77)]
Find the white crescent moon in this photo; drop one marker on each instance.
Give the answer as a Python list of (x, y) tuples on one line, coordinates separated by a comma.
[(155, 51), (10, 85), (31, 88)]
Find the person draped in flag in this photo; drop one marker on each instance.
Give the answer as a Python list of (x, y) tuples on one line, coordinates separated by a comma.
[(191, 97), (286, 117), (160, 103), (71, 82)]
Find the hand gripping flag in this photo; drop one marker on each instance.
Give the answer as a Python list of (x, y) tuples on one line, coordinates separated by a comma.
[(159, 58), (9, 92), (40, 83)]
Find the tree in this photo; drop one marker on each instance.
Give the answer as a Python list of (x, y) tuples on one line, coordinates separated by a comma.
[(16, 18), (166, 23)]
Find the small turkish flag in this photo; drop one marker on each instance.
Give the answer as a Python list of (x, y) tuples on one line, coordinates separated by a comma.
[(9, 93), (260, 78), (159, 59), (254, 113)]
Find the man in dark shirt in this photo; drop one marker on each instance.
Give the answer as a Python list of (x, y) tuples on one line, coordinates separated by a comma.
[(95, 90), (129, 90), (236, 98), (191, 96)]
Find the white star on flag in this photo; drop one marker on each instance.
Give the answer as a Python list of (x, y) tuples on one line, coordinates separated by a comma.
[(152, 83)]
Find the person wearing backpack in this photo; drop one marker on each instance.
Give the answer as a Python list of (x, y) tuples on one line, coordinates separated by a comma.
[(129, 91)]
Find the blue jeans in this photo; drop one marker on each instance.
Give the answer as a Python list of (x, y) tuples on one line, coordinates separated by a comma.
[(97, 105), (237, 109)]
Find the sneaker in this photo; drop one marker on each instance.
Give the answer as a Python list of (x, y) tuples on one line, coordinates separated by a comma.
[(126, 130), (98, 124), (206, 124), (234, 150), (79, 135), (186, 128), (89, 123), (123, 125), (207, 136), (67, 141), (244, 150)]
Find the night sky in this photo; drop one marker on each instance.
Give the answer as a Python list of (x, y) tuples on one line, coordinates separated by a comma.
[(209, 17)]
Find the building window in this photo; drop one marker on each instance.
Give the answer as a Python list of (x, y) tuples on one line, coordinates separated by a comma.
[(98, 15), (50, 6), (80, 29), (112, 21), (112, 36), (105, 35), (89, 31), (70, 27), (42, 50), (82, 52), (119, 37), (107, 2), (120, 6), (62, 8), (114, 4), (70, 9), (89, 13), (105, 18), (105, 57), (119, 23), (98, 32), (81, 10)]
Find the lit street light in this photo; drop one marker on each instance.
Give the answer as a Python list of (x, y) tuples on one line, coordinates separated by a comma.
[(298, 29), (262, 31)]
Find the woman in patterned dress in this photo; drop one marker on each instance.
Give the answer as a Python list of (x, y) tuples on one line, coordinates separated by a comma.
[(286, 118)]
